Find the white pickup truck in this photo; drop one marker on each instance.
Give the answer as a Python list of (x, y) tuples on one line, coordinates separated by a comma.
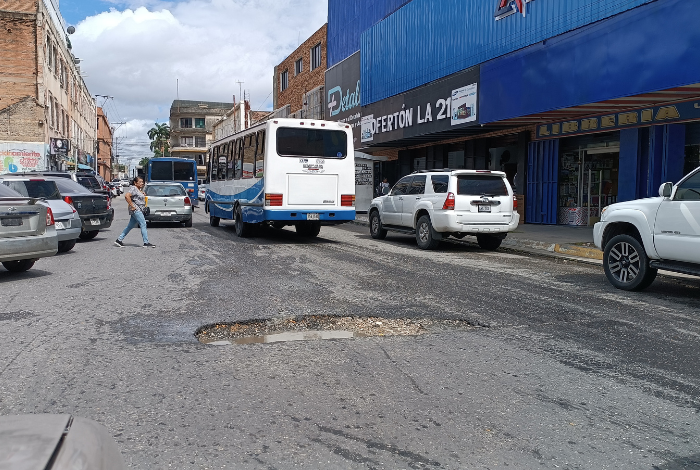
[(642, 236)]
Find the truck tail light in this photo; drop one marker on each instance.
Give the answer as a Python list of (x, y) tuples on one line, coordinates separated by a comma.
[(109, 203), (515, 203), (188, 202), (49, 217), (347, 200), (68, 199), (449, 204), (273, 199)]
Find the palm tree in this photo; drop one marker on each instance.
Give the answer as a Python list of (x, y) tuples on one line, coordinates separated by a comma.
[(160, 139)]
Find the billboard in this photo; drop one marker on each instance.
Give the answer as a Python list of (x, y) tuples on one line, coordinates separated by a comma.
[(343, 94), (22, 156)]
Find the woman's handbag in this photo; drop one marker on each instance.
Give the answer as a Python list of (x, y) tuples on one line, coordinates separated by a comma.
[(146, 211)]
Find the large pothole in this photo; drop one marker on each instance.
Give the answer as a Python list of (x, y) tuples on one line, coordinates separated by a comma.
[(316, 327)]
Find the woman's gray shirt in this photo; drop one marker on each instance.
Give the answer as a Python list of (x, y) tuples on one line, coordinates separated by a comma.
[(138, 198)]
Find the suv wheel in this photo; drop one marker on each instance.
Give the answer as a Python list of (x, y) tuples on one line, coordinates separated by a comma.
[(88, 235), (626, 264), (375, 226), (426, 236), (18, 266), (487, 242)]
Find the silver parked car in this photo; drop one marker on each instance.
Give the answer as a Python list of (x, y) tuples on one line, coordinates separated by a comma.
[(168, 202), (68, 224), (27, 230)]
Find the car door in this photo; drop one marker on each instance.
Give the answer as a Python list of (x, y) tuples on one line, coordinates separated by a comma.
[(415, 193), (677, 229), (393, 202)]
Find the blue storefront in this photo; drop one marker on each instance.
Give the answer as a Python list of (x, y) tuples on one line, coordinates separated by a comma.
[(583, 103)]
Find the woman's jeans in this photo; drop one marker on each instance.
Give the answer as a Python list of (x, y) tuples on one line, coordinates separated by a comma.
[(137, 218)]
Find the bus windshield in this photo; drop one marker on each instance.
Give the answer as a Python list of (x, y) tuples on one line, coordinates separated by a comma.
[(294, 142)]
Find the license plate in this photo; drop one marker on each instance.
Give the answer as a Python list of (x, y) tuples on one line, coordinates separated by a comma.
[(13, 222), (483, 208), (312, 217), (59, 226), (94, 221)]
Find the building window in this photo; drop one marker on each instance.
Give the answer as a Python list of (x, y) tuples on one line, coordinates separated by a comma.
[(316, 56), (199, 123), (186, 141), (284, 80), (298, 66), (185, 123), (200, 141)]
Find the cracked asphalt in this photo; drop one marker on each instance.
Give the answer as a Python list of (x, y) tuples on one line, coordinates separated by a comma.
[(559, 371)]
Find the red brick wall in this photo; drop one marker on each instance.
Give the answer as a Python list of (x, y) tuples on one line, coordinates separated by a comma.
[(18, 56), (307, 80), (24, 6)]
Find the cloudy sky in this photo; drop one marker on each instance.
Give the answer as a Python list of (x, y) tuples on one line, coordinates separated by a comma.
[(137, 50)]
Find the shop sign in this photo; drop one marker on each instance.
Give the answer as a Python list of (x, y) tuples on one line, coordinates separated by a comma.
[(59, 146), (363, 173), (440, 106), (22, 156), (508, 7), (642, 117), (343, 94)]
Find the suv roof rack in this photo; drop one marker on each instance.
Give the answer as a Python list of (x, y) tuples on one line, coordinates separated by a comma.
[(434, 170)]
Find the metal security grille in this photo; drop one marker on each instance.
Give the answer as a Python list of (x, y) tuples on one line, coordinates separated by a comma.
[(314, 104)]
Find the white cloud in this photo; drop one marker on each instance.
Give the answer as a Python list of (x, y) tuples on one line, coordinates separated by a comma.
[(137, 54)]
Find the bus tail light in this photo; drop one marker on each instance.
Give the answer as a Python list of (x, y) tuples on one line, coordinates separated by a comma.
[(449, 204), (273, 199), (347, 200), (187, 201), (49, 217)]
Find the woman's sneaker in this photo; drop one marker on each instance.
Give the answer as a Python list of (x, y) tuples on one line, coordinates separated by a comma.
[(149, 245), (119, 243)]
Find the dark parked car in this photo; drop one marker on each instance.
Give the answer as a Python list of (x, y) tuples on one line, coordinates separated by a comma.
[(84, 178), (95, 210)]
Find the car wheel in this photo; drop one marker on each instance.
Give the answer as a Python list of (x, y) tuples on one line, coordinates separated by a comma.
[(375, 226), (243, 229), (308, 229), (66, 245), (487, 242), (426, 236), (18, 266), (214, 221), (188, 222), (626, 264), (88, 235)]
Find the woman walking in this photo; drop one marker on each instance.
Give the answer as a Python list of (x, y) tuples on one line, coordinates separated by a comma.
[(136, 199)]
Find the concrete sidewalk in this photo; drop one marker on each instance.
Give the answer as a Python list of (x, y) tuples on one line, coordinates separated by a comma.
[(565, 240)]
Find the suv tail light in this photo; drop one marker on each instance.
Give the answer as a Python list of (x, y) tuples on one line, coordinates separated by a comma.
[(449, 203), (109, 203), (515, 203), (273, 199), (347, 200), (49, 217), (187, 201)]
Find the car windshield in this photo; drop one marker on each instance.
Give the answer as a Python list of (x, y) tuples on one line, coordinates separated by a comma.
[(165, 190), (89, 182), (36, 188), (7, 192), (69, 186), (481, 185)]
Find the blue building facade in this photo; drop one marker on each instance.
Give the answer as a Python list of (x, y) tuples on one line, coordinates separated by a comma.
[(582, 103)]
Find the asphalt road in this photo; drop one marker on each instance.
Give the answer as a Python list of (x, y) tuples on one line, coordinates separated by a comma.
[(560, 370)]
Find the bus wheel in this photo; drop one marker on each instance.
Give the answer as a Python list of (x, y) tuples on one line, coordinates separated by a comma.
[(214, 221), (308, 229), (243, 230)]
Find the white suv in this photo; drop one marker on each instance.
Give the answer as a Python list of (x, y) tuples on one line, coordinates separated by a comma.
[(435, 204)]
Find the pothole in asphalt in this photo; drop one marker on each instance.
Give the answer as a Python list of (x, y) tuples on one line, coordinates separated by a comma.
[(318, 327)]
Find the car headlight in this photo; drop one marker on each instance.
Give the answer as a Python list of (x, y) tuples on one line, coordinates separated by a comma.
[(602, 213)]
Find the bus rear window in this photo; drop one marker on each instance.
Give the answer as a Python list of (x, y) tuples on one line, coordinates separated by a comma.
[(161, 171), (183, 171), (294, 142)]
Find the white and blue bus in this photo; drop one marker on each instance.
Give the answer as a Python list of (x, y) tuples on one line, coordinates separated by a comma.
[(283, 172), (174, 170)]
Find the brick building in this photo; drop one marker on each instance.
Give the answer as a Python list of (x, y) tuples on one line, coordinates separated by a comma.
[(299, 80), (238, 118), (192, 129), (43, 95), (104, 146)]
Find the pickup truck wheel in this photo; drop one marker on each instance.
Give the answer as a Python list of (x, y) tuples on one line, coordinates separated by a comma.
[(487, 242), (375, 226), (426, 236), (18, 266), (626, 264)]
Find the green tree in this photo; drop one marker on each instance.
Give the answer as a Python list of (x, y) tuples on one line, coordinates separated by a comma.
[(160, 140), (144, 162)]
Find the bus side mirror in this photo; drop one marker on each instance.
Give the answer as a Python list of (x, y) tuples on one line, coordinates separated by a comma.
[(666, 190)]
